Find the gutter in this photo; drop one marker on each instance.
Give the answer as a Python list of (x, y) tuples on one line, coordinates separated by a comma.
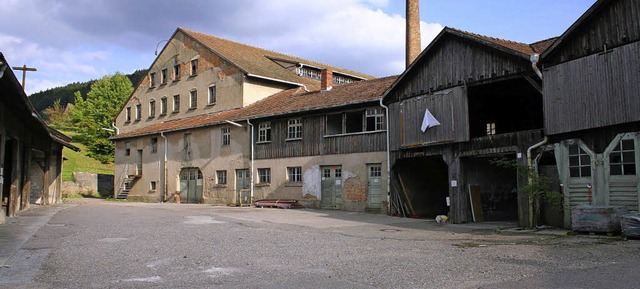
[(535, 58), (388, 153), (273, 79)]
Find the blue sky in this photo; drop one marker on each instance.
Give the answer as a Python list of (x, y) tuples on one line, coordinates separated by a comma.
[(78, 40)]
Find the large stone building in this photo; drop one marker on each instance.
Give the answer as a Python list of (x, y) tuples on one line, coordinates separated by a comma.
[(221, 122)]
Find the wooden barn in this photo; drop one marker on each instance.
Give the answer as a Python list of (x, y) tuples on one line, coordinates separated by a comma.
[(591, 100), (467, 101), (30, 151)]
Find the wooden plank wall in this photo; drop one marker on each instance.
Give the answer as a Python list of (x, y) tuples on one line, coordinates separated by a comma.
[(314, 142), (449, 107), (618, 23), (594, 91), (454, 63)]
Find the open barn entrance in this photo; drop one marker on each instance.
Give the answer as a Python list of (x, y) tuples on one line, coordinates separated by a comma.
[(424, 182), (504, 107), (492, 188)]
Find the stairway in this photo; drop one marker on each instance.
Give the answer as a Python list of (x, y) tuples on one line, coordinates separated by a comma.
[(126, 188)]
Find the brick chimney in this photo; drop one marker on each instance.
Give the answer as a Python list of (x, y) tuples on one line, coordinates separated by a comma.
[(326, 79), (413, 30)]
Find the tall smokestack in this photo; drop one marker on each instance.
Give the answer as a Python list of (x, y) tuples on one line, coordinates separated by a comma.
[(413, 30)]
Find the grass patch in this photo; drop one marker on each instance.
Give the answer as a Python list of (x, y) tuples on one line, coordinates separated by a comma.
[(80, 162)]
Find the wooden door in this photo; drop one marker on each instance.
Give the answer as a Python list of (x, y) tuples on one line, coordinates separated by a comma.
[(374, 187), (331, 187)]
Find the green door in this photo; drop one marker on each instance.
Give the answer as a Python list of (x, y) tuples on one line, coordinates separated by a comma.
[(243, 184), (374, 188), (331, 187), (191, 186)]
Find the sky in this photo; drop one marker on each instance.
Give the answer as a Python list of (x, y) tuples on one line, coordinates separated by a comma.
[(78, 40)]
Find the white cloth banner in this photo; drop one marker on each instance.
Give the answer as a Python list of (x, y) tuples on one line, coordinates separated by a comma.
[(429, 120)]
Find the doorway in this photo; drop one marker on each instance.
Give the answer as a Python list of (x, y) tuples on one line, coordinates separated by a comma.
[(374, 186), (331, 187), (191, 185), (243, 185)]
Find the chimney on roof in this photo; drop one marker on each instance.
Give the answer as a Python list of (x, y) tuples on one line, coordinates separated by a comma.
[(326, 79), (413, 30)]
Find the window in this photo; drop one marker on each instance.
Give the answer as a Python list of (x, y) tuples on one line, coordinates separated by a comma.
[(294, 129), (163, 105), (622, 160), (187, 146), (294, 174), (212, 94), (152, 108), (375, 171), (339, 79), (334, 124), (127, 148), (353, 121), (338, 172), (194, 67), (221, 177), (375, 119), (176, 103), (193, 99), (579, 162), (226, 136), (309, 72), (154, 145), (152, 185), (138, 111), (152, 79), (264, 176), (176, 72), (491, 128), (264, 132), (128, 114), (164, 77)]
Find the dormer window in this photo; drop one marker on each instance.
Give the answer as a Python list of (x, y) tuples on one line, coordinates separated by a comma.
[(308, 72), (341, 79)]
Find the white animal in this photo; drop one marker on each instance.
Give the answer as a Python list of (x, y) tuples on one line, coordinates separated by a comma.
[(442, 219)]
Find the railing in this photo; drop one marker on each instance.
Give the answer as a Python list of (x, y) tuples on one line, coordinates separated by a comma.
[(122, 178)]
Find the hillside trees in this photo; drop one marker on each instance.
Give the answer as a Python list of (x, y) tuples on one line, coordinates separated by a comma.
[(92, 116)]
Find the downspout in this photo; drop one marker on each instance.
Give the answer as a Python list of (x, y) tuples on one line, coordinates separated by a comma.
[(164, 166), (530, 167), (534, 64), (386, 113), (113, 124), (252, 159)]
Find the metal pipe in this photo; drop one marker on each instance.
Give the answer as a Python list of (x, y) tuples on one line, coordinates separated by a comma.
[(252, 160), (386, 113), (534, 64), (164, 166), (529, 167), (233, 123), (113, 124)]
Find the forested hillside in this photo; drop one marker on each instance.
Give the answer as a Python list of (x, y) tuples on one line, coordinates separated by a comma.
[(42, 100)]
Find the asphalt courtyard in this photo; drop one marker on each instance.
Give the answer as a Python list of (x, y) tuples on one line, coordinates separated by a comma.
[(98, 244)]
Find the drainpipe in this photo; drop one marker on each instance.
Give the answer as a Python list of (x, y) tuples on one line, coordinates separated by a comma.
[(529, 166), (534, 64), (386, 113), (113, 124), (252, 159), (164, 166)]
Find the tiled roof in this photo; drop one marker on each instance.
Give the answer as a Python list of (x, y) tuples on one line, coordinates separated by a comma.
[(542, 46), (528, 49), (258, 61), (283, 103)]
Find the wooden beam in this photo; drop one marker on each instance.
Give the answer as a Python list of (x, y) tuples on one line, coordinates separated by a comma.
[(533, 83), (24, 69)]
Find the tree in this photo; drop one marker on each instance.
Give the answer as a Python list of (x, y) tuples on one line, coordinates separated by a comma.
[(93, 115), (57, 116)]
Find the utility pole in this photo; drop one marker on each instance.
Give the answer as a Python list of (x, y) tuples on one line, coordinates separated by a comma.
[(24, 69)]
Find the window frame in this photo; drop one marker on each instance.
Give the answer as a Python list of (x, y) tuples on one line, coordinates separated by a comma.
[(163, 105), (225, 133), (127, 148), (580, 163), (264, 132), (176, 72), (626, 165), (154, 145), (176, 103), (264, 176), (294, 175), (164, 77), (152, 79), (193, 99), (212, 97), (194, 67), (294, 129), (221, 177), (152, 108), (138, 112), (127, 116), (153, 186), (377, 115)]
